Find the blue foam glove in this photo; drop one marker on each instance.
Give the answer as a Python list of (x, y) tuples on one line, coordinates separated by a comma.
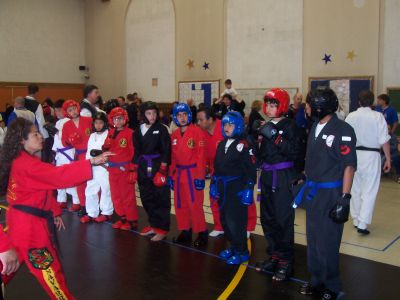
[(214, 190), (246, 196), (199, 184), (170, 182)]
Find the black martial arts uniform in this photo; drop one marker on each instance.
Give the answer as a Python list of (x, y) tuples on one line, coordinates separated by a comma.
[(233, 171), (328, 155), (151, 150), (278, 157)]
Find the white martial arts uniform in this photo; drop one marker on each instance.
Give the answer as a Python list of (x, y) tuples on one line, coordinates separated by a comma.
[(372, 132), (99, 182), (64, 157)]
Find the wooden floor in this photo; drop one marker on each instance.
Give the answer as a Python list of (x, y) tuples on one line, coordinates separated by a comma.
[(102, 263)]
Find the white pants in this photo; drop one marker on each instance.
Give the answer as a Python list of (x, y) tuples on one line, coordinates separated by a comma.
[(99, 182), (365, 187), (62, 193)]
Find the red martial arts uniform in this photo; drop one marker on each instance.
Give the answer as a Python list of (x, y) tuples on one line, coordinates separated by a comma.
[(188, 164), (30, 216), (212, 142), (78, 137), (122, 191)]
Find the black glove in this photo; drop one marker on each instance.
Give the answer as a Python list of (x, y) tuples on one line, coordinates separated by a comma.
[(340, 212), (268, 131), (51, 129), (95, 152), (256, 125)]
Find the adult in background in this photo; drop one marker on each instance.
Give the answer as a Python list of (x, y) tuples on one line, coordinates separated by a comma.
[(296, 106), (122, 102), (372, 135), (193, 109), (388, 112), (20, 111), (91, 95), (255, 115), (132, 109), (32, 104)]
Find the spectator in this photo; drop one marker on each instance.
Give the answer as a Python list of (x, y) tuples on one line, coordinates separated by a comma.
[(296, 106), (193, 109), (255, 115), (388, 111), (3, 130), (21, 112), (91, 95), (122, 102), (9, 110), (132, 109), (34, 106)]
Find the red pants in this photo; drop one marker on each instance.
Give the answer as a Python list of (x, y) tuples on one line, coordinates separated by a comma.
[(123, 195), (35, 249), (251, 221), (80, 189), (191, 213)]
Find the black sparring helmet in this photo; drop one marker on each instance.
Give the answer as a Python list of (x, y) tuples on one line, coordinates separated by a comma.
[(323, 102), (103, 117), (148, 105)]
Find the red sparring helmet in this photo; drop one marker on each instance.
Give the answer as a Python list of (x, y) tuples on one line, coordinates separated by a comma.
[(115, 112), (280, 96), (69, 103)]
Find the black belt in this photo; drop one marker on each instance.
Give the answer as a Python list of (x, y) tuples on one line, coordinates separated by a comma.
[(44, 214), (362, 148)]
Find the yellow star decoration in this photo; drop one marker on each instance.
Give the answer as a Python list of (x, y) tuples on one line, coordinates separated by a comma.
[(351, 55), (190, 64)]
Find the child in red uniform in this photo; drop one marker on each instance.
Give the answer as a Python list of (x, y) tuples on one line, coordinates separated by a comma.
[(213, 136), (33, 211), (75, 134), (187, 176), (122, 173)]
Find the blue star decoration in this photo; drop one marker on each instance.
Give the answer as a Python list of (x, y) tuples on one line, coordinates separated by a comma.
[(327, 58), (206, 66)]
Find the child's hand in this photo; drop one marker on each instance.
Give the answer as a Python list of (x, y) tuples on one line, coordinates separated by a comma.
[(59, 223)]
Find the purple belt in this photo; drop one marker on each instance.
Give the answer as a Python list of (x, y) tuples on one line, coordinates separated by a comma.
[(191, 189), (149, 159), (119, 165), (63, 152), (80, 151), (274, 169)]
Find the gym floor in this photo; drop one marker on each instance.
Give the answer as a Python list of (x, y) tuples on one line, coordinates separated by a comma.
[(102, 263)]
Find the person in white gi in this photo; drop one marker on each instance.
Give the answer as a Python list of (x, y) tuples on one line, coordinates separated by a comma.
[(99, 182), (64, 155), (372, 135)]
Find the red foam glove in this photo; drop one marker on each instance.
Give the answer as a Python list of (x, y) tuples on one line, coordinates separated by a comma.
[(132, 174), (74, 139), (160, 178)]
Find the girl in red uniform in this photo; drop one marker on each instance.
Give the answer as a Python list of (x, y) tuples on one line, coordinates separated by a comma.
[(122, 173), (33, 211)]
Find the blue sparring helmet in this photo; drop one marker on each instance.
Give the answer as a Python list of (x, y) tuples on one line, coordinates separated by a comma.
[(181, 107), (233, 117)]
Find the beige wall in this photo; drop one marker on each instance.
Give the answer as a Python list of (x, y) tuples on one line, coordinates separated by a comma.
[(42, 41), (335, 27)]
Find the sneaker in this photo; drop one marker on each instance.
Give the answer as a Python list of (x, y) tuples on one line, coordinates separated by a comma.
[(238, 259), (185, 237), (102, 218), (307, 289), (329, 295), (148, 230), (216, 233), (283, 271), (202, 239), (126, 226), (363, 231), (85, 219), (158, 237), (226, 254), (267, 265), (74, 208), (63, 205), (117, 225)]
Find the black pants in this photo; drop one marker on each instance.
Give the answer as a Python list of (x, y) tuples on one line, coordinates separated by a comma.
[(323, 240), (156, 202), (277, 214), (233, 215)]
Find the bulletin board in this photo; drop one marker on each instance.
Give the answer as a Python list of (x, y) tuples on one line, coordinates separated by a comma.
[(248, 95), (394, 95), (199, 91), (346, 88)]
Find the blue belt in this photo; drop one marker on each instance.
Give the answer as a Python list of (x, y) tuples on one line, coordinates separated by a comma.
[(314, 186), (225, 180), (191, 188), (63, 152), (119, 165)]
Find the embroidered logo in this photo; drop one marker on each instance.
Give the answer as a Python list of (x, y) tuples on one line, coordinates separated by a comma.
[(239, 147), (40, 258), (190, 143), (329, 140), (87, 131), (10, 190), (344, 149), (173, 142), (123, 143), (156, 132)]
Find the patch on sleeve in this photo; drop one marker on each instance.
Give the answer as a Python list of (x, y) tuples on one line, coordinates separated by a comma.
[(329, 140), (40, 258), (344, 149), (239, 147), (346, 138)]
